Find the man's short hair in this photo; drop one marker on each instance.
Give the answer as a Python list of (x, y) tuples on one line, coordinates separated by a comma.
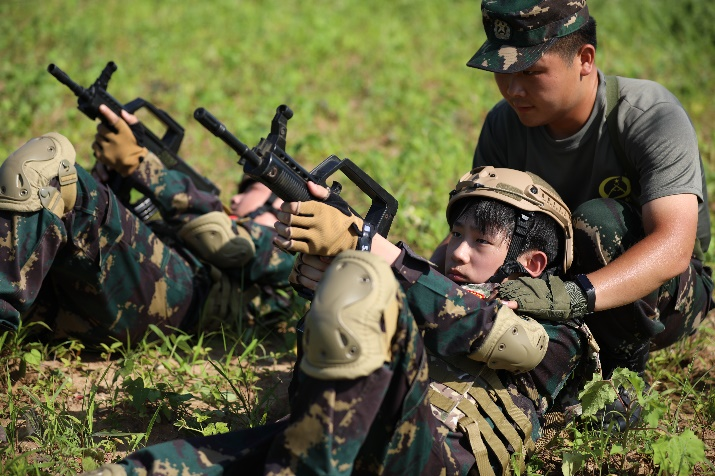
[(568, 46)]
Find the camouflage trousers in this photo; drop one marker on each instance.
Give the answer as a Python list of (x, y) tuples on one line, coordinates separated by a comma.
[(258, 294), (379, 424), (116, 275), (131, 281), (603, 230)]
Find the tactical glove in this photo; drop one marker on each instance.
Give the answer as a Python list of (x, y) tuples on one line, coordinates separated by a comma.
[(320, 228), (548, 298), (118, 150), (294, 277)]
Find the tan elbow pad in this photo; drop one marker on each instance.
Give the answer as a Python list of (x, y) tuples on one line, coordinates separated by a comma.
[(517, 344), (213, 239)]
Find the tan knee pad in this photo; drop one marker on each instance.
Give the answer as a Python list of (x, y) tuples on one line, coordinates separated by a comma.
[(350, 325), (213, 238), (25, 176), (515, 343)]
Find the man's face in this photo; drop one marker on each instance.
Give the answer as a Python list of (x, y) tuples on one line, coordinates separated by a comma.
[(546, 94), (473, 256)]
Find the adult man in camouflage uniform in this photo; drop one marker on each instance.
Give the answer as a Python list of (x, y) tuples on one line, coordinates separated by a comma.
[(365, 402), (75, 258), (623, 154)]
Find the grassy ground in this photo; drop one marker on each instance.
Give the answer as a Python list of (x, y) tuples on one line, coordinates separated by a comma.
[(384, 83)]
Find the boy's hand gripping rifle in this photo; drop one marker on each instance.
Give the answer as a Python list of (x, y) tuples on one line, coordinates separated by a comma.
[(269, 164), (166, 148)]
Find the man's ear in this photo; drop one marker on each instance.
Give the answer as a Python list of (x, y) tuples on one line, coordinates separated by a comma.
[(587, 59), (534, 261)]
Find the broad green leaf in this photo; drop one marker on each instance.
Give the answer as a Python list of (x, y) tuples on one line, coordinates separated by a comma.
[(33, 357), (678, 454), (628, 379), (654, 407), (572, 462), (595, 395)]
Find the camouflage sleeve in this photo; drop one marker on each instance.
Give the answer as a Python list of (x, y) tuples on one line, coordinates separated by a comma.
[(28, 245), (176, 196), (270, 265), (179, 202), (562, 356), (454, 321)]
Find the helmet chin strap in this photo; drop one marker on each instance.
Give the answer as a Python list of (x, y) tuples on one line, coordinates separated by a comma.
[(522, 228), (506, 270)]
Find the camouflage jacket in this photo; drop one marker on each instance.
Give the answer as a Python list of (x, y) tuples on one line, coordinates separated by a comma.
[(381, 423), (455, 322)]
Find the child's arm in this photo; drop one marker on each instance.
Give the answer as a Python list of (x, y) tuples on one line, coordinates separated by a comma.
[(455, 322)]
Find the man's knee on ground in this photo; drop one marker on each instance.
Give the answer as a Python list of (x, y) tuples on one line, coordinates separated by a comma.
[(349, 328)]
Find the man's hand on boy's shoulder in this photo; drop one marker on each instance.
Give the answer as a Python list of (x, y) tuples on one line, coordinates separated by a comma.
[(541, 298)]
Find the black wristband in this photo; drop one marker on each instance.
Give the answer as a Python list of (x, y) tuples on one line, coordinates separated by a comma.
[(588, 289), (365, 240)]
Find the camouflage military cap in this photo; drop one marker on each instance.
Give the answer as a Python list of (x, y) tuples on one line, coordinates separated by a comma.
[(519, 32)]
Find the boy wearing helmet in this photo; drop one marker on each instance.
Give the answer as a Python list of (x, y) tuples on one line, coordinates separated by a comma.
[(420, 374), (624, 156)]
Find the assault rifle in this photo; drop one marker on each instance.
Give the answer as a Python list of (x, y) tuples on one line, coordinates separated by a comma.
[(166, 148), (269, 164)]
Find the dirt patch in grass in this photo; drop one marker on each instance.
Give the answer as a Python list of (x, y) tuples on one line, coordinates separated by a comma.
[(239, 392), (92, 390)]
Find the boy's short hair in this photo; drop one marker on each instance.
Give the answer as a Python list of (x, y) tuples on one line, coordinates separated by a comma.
[(495, 218), (527, 195)]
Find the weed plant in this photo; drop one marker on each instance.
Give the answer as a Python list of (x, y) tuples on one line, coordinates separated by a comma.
[(383, 83)]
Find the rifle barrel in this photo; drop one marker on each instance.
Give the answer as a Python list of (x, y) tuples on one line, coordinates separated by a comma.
[(62, 77), (219, 130)]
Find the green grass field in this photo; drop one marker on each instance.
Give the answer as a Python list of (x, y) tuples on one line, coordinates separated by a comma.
[(383, 83)]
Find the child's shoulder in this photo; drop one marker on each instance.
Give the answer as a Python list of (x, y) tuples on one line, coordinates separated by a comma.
[(482, 290)]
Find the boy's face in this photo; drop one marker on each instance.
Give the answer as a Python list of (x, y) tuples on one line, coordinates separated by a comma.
[(473, 256)]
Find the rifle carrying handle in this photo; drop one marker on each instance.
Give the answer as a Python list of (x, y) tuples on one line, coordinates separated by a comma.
[(174, 132)]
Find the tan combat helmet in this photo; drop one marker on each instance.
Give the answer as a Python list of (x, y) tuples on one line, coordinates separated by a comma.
[(525, 191)]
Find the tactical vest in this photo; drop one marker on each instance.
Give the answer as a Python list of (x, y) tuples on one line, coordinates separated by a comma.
[(466, 396)]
